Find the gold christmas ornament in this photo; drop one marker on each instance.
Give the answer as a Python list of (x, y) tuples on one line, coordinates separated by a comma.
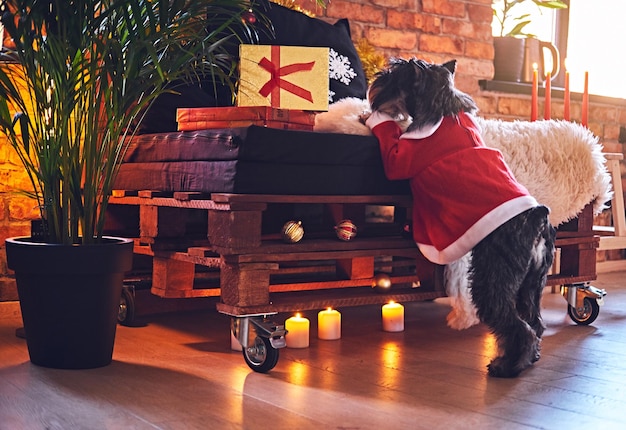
[(381, 283), (292, 231), (346, 230)]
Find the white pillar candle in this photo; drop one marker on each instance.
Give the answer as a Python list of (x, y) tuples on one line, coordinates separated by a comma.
[(393, 317), (329, 324), (297, 332)]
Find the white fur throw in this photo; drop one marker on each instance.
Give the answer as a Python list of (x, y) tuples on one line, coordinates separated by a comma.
[(343, 117), (560, 162)]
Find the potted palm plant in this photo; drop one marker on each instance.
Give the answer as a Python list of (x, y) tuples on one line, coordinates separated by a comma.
[(73, 91), (514, 48)]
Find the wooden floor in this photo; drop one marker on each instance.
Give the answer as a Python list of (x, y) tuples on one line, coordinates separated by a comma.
[(177, 371)]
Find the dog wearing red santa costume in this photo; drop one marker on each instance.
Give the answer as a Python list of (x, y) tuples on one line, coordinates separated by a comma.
[(469, 211)]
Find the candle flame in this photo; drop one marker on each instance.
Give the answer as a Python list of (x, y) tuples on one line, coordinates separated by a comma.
[(298, 315), (535, 66), (391, 302), (328, 309)]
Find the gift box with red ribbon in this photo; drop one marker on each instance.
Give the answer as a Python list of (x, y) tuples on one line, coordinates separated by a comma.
[(289, 77), (231, 117)]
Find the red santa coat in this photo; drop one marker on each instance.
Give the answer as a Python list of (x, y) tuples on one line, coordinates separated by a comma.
[(462, 190)]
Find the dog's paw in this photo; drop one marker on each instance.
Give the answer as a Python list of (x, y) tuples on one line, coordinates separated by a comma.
[(503, 368), (363, 116), (537, 352), (499, 368), (536, 356), (460, 320)]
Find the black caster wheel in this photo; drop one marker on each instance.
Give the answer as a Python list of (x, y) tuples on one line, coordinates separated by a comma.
[(585, 315), (126, 312), (261, 356)]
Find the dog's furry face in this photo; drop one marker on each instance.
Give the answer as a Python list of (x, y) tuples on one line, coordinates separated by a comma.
[(420, 90)]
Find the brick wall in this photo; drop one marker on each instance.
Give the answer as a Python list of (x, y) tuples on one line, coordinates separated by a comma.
[(437, 30), (16, 210)]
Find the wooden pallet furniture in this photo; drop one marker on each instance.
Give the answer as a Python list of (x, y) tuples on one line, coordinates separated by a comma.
[(229, 246)]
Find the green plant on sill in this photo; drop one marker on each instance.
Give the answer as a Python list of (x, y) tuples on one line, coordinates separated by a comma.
[(504, 13), (84, 73)]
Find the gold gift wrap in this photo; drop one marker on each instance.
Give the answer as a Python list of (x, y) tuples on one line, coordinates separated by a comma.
[(287, 77)]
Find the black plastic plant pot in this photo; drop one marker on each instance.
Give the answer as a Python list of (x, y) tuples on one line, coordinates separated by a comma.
[(69, 297)]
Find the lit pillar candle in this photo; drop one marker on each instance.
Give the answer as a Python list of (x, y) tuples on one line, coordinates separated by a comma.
[(548, 96), (393, 317), (585, 107), (566, 98), (329, 324), (297, 332), (534, 94)]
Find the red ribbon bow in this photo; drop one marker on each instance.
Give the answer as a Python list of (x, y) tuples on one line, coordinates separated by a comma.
[(275, 82)]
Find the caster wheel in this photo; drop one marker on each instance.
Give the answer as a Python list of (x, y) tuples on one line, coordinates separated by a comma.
[(585, 315), (261, 356), (126, 312)]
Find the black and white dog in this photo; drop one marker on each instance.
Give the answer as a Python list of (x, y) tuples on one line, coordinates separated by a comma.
[(467, 204)]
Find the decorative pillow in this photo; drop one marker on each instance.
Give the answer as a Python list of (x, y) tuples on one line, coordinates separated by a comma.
[(161, 116), (293, 28)]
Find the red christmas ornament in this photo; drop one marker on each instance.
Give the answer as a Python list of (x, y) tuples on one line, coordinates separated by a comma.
[(407, 230), (346, 230), (248, 17)]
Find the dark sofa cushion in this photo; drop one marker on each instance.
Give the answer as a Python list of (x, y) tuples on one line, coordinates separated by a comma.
[(258, 160)]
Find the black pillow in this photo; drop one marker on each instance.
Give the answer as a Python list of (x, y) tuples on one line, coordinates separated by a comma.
[(293, 28), (161, 116)]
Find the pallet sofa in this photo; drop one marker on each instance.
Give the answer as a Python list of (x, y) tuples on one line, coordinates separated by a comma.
[(208, 208)]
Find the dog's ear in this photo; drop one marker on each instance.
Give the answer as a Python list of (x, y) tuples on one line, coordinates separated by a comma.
[(451, 66)]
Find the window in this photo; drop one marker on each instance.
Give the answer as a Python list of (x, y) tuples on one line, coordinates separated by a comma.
[(595, 42), (542, 23), (590, 36)]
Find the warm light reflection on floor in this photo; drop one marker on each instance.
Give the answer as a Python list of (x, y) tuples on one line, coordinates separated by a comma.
[(490, 347), (391, 359), (235, 409), (298, 373)]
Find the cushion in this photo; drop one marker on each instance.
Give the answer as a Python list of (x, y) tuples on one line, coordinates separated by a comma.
[(259, 160), (161, 116), (292, 28), (197, 145)]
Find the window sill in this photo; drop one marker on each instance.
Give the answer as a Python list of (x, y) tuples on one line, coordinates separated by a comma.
[(523, 88)]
